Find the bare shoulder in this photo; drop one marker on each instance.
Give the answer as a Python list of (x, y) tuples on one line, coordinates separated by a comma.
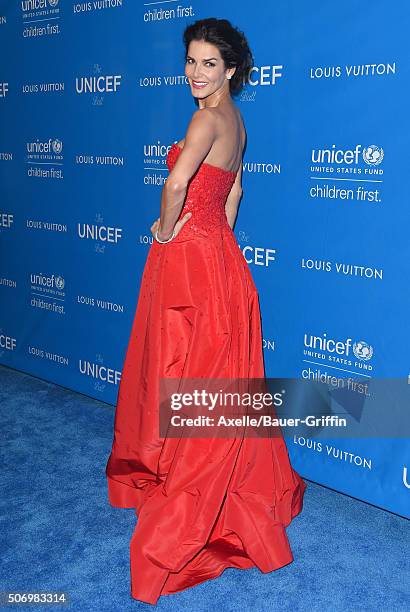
[(205, 116), (220, 120), (202, 126)]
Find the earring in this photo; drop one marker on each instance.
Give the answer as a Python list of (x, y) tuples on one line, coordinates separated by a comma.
[(228, 77)]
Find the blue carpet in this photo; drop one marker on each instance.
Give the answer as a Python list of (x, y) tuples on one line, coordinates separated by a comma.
[(59, 533)]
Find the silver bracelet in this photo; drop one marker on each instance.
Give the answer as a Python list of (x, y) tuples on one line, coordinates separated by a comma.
[(164, 241)]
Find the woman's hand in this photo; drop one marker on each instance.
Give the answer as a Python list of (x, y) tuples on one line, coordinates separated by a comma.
[(177, 228)]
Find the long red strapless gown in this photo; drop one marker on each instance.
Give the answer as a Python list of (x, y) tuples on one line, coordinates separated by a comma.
[(202, 504)]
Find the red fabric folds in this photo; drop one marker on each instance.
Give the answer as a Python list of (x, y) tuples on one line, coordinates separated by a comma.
[(202, 504)]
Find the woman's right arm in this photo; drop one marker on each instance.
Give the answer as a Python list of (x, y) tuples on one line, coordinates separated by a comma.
[(233, 199)]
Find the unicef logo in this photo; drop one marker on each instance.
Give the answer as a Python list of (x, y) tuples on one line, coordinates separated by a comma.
[(53, 2), (57, 145), (362, 350), (60, 282), (373, 155)]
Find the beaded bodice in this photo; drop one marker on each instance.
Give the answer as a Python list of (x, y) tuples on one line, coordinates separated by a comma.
[(206, 196)]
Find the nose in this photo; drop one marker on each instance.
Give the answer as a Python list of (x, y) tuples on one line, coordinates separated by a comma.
[(197, 72)]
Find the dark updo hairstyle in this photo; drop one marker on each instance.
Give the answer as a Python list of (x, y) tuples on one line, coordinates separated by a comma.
[(232, 45)]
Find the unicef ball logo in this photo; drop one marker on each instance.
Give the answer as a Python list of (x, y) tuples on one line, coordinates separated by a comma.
[(362, 350), (57, 145), (373, 155), (53, 2), (60, 282)]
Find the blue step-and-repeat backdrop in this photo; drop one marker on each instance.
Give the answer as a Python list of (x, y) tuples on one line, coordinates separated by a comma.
[(92, 95)]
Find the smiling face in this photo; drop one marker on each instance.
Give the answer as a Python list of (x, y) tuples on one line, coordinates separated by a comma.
[(205, 69)]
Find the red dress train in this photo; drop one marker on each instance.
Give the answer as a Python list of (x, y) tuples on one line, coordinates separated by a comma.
[(202, 504)]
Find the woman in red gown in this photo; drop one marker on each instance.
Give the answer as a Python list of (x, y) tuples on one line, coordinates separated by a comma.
[(203, 504)]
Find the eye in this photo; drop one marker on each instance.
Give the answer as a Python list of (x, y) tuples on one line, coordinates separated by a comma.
[(189, 60)]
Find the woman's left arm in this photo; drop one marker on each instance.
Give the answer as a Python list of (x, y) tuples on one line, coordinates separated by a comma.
[(199, 138)]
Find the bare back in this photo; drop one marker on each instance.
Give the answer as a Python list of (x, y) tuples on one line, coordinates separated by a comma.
[(226, 151)]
